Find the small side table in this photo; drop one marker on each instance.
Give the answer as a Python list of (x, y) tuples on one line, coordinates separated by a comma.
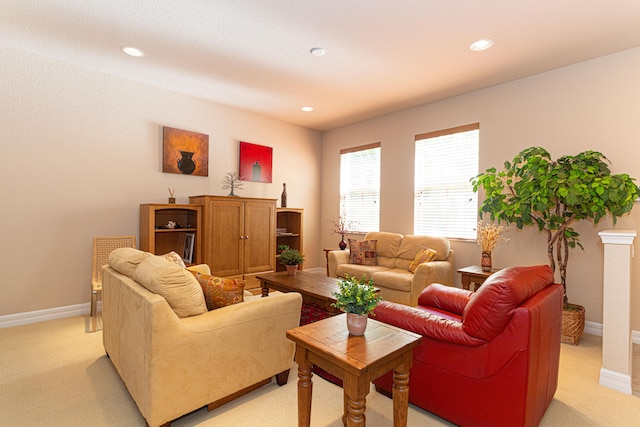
[(474, 274), (356, 361), (326, 255)]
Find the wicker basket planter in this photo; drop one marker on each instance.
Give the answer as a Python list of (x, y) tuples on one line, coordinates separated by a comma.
[(572, 323)]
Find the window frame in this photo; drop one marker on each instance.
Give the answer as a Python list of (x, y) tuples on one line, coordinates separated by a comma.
[(466, 228), (344, 210)]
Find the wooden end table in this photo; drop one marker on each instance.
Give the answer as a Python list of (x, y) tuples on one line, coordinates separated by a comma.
[(314, 288), (356, 361), (326, 255), (474, 274)]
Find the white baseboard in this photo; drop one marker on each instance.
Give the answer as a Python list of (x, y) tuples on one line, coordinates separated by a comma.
[(43, 315), (615, 381), (18, 319)]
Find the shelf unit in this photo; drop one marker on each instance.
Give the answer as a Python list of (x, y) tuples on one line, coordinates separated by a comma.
[(291, 220), (156, 237)]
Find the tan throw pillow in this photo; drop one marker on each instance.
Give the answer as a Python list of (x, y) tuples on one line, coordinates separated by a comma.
[(425, 254), (363, 252), (219, 291), (174, 258), (176, 284), (126, 260)]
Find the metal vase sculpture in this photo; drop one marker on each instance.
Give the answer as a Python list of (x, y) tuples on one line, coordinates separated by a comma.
[(356, 324)]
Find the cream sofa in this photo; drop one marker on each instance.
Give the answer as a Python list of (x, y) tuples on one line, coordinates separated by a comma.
[(394, 253), (173, 365)]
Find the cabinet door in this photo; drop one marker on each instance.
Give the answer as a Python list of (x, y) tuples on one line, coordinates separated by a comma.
[(225, 239), (259, 227)]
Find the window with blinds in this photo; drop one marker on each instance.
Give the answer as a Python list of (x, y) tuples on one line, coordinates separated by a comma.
[(445, 204), (360, 187)]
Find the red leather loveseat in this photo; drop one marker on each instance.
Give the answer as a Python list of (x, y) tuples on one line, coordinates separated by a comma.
[(487, 358)]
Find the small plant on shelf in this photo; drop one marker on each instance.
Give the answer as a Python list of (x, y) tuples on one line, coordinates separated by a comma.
[(357, 296), (290, 256)]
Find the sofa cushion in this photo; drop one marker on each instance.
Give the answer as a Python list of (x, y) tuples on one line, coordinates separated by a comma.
[(362, 252), (398, 279), (492, 306), (358, 270), (220, 291), (425, 254), (176, 284), (411, 245), (126, 260), (386, 247)]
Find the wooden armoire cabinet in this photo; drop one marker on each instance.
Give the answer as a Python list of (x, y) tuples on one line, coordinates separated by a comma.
[(238, 236)]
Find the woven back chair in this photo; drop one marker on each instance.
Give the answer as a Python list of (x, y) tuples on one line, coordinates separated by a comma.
[(102, 247)]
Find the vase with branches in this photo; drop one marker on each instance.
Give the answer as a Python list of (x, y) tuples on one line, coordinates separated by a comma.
[(343, 226)]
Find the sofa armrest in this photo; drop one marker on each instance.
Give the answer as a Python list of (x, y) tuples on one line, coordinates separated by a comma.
[(335, 258), (434, 272), (423, 323), (200, 268), (446, 298)]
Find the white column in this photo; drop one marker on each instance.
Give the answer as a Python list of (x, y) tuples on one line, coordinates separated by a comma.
[(617, 344)]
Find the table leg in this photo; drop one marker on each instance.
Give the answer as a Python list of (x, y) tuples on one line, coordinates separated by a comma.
[(355, 400), (466, 281), (265, 289), (305, 387), (401, 391)]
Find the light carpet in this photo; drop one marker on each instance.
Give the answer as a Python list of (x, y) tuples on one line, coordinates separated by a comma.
[(55, 373)]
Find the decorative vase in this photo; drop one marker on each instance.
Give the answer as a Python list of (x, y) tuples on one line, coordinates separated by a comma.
[(291, 269), (485, 262), (186, 165), (283, 197), (342, 244), (356, 324), (172, 200)]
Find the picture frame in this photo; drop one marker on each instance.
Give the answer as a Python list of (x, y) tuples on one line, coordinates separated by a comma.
[(185, 152), (255, 162), (187, 253)]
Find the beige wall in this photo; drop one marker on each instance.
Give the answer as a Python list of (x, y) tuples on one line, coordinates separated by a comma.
[(81, 150), (592, 105)]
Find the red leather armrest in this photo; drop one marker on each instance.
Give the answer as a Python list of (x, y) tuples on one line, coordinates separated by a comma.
[(425, 324), (446, 298)]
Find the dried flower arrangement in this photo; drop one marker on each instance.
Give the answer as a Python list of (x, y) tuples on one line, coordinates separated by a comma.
[(489, 236), (343, 226)]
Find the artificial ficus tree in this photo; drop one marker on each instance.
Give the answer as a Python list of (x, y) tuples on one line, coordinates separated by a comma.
[(533, 189)]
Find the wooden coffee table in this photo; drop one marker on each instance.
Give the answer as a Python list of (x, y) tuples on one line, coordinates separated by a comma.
[(314, 288), (356, 361)]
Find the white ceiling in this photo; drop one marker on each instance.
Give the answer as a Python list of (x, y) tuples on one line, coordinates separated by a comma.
[(381, 56)]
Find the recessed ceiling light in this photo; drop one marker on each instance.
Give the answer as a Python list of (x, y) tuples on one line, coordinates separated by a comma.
[(307, 109), (317, 51), (481, 45), (133, 51)]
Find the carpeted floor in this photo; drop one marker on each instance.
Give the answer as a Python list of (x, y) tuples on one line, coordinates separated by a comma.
[(56, 373)]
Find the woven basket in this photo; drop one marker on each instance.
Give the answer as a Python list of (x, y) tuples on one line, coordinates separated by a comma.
[(572, 324)]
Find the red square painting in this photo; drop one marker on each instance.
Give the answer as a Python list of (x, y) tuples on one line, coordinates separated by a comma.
[(255, 162), (185, 152)]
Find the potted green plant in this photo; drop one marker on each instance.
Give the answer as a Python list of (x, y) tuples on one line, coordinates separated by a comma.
[(358, 298), (291, 258), (535, 190)]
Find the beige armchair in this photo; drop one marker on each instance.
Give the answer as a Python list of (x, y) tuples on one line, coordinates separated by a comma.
[(171, 365)]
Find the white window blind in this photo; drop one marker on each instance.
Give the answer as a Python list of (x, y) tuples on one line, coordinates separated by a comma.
[(445, 204), (360, 186)]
